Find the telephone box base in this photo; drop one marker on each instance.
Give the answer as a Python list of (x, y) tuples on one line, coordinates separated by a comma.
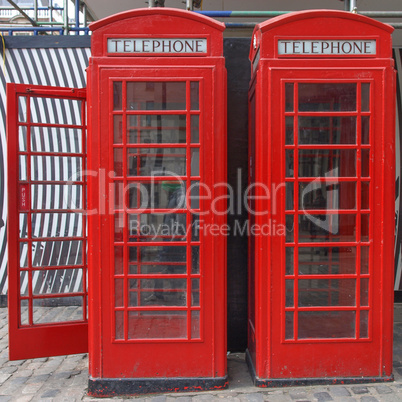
[(293, 382), (108, 387)]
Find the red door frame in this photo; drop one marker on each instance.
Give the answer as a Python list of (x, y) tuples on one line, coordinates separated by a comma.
[(51, 339), (154, 354)]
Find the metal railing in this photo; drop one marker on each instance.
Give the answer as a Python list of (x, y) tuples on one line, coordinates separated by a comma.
[(45, 20), (55, 20)]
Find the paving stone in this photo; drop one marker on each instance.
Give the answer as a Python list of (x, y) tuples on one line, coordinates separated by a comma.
[(368, 399), (180, 399), (4, 378), (383, 389), (25, 398), (39, 378), (32, 388), (253, 397), (323, 396), (339, 391), (360, 390), (50, 393), (8, 369), (297, 395), (207, 397)]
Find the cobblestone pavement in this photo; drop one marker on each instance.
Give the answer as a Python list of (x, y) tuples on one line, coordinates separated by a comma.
[(64, 378)]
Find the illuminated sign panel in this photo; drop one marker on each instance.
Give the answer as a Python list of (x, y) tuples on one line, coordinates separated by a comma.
[(319, 47), (157, 45)]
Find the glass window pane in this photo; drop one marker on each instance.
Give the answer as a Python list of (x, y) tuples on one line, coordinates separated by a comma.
[(327, 163), (118, 227), (289, 325), (56, 139), (158, 292), (195, 324), (156, 129), (315, 195), (156, 162), (119, 325), (24, 318), (289, 97), (156, 95), (365, 121), (55, 281), (365, 163), (24, 278), (327, 260), (23, 167), (365, 227), (327, 130), (326, 324), (327, 292), (289, 293), (289, 261), (57, 309), (167, 253), (195, 195), (289, 228), (118, 260), (365, 254), (22, 138), (118, 129), (195, 162), (195, 128), (119, 292), (195, 292), (167, 194), (157, 325), (289, 130), (56, 253), (365, 97), (56, 168), (329, 227), (364, 292), (118, 161), (23, 255), (117, 95), (364, 319), (22, 108), (195, 260), (327, 97), (194, 95), (23, 233), (365, 194), (59, 111), (157, 227), (289, 196), (289, 163), (55, 196), (57, 224)]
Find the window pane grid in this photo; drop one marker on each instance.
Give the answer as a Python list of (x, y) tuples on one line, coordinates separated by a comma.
[(361, 314), (144, 278)]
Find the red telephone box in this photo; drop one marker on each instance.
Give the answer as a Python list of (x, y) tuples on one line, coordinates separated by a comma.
[(157, 142), (322, 167), (156, 148)]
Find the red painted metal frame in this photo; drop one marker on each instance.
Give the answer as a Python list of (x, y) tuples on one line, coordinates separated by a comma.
[(273, 356), (38, 340), (157, 358)]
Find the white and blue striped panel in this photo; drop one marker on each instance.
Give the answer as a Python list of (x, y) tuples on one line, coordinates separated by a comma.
[(64, 67)]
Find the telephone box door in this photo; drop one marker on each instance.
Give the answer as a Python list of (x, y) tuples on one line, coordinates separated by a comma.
[(158, 291), (47, 271), (331, 163)]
